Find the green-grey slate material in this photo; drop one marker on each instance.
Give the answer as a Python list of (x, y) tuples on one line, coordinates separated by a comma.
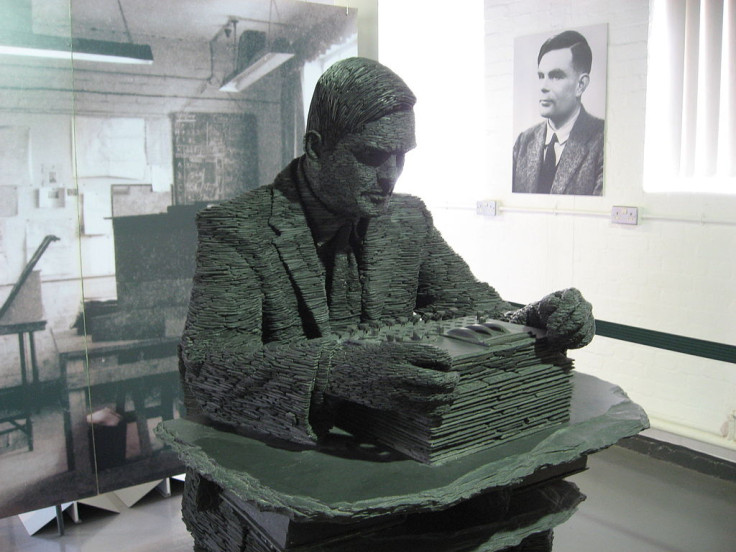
[(318, 486), (512, 384), (531, 510)]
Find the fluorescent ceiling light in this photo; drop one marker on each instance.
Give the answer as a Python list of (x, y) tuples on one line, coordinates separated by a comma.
[(240, 80), (57, 47)]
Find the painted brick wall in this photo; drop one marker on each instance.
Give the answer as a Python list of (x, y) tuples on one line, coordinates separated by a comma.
[(666, 275)]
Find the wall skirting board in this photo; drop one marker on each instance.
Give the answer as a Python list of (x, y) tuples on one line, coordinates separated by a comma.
[(681, 454), (663, 340), (667, 341)]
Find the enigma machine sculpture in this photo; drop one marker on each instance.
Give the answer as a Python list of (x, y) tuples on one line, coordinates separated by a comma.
[(326, 300), (510, 385)]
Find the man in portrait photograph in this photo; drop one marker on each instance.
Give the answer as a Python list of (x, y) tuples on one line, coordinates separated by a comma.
[(563, 154)]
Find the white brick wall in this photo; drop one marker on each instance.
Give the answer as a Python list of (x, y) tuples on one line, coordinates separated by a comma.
[(663, 275)]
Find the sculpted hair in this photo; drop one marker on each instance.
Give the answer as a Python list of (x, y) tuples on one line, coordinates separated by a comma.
[(582, 57), (353, 92)]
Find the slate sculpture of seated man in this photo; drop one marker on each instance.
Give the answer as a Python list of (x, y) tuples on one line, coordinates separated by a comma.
[(283, 269)]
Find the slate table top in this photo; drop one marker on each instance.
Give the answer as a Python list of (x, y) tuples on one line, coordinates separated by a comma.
[(329, 485)]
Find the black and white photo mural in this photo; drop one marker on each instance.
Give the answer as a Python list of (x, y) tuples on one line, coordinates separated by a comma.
[(103, 166), (559, 111)]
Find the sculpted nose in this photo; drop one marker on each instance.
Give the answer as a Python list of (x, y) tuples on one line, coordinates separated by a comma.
[(391, 168), (388, 173)]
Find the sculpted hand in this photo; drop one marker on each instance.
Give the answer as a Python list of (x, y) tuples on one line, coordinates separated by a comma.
[(410, 377), (566, 315)]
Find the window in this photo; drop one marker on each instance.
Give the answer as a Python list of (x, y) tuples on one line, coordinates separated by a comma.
[(690, 143)]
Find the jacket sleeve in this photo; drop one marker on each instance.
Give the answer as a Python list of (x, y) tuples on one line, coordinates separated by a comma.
[(515, 184), (227, 372), (598, 188), (447, 287)]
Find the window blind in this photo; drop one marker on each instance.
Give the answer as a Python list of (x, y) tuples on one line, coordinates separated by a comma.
[(691, 97)]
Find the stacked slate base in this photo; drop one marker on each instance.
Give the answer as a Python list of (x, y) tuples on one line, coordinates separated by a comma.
[(222, 522), (244, 495), (511, 385)]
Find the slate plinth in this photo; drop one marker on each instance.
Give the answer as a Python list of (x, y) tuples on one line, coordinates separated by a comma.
[(330, 486), (512, 520)]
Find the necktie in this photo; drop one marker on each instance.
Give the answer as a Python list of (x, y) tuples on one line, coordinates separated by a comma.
[(549, 167), (343, 280)]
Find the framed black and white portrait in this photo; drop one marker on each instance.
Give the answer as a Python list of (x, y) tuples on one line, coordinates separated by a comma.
[(559, 111)]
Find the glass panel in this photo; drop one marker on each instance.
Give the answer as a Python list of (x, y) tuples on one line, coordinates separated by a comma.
[(114, 160), (40, 288)]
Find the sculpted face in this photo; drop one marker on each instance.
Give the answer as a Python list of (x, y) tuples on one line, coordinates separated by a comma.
[(357, 175), (561, 86)]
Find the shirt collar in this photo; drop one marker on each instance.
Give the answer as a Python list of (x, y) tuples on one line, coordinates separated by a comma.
[(563, 133)]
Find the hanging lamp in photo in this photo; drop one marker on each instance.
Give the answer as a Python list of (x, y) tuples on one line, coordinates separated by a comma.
[(256, 56), (17, 39)]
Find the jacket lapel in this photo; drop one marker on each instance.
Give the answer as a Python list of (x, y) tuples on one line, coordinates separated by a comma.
[(533, 159), (573, 156), (295, 245)]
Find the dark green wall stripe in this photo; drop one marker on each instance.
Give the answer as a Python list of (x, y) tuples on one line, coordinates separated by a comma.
[(666, 341)]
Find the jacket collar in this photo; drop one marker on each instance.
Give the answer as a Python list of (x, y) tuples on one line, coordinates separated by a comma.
[(295, 245), (576, 150), (294, 241)]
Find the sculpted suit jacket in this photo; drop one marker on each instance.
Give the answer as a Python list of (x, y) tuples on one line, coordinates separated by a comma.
[(258, 331), (580, 168)]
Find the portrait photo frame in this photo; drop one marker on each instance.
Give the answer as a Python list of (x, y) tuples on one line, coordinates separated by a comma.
[(527, 90)]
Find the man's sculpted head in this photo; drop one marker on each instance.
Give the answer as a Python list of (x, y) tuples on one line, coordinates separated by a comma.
[(353, 92), (360, 126)]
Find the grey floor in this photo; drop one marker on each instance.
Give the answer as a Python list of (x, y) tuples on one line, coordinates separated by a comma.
[(635, 504)]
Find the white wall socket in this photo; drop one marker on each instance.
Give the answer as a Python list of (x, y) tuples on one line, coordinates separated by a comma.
[(624, 215), (486, 207)]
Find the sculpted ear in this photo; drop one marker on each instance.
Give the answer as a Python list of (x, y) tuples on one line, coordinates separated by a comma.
[(313, 144)]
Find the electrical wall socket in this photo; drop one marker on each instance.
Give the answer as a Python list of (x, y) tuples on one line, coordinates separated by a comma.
[(624, 215), (486, 207)]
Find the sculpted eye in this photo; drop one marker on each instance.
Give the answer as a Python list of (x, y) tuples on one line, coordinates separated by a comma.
[(372, 157)]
